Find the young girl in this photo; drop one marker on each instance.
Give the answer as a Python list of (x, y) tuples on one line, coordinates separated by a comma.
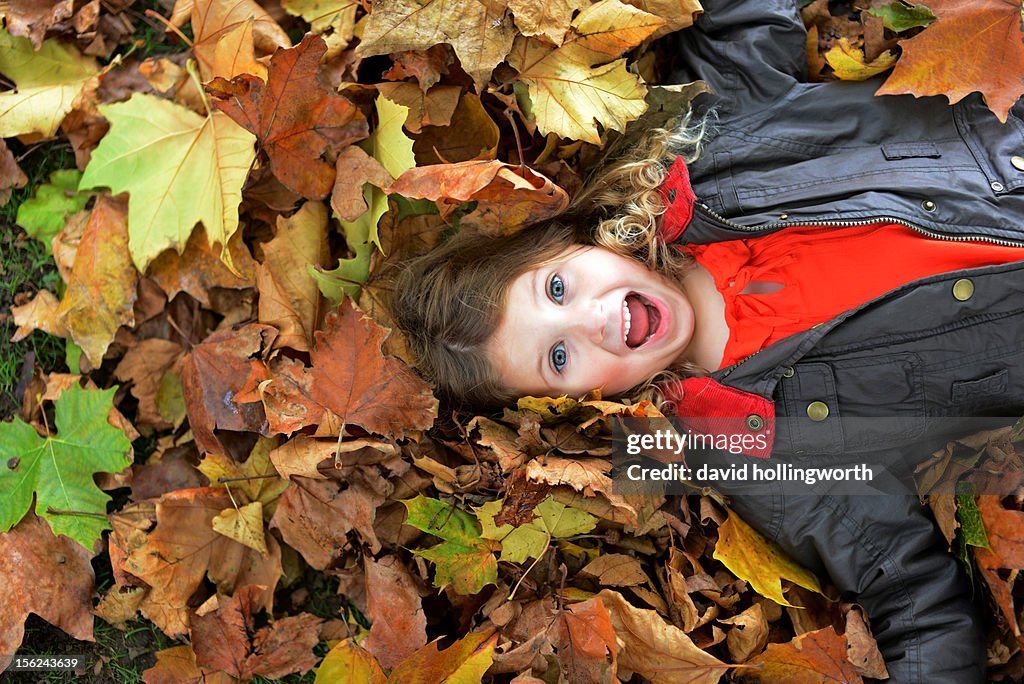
[(825, 255)]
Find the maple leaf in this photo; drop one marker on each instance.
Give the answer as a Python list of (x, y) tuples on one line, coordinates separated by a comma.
[(46, 575), (509, 196), (296, 119), (464, 559), (899, 16), (146, 366), (354, 380), (249, 476), (480, 32), (810, 658), (289, 296), (432, 107), (44, 214), (471, 134), (531, 539), (50, 83), (972, 46), (759, 561), (656, 649), (102, 288), (355, 169), (184, 548), (59, 469), (395, 608), (585, 638), (347, 277), (179, 168), (198, 269), (566, 93), (227, 639), (678, 14), (33, 19), (548, 19)]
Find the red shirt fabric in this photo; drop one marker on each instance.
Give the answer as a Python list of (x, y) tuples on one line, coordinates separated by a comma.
[(786, 282)]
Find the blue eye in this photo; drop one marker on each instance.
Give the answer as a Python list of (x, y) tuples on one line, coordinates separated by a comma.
[(556, 288), (559, 357)]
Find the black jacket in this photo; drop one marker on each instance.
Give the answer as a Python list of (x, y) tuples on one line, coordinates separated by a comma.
[(787, 152)]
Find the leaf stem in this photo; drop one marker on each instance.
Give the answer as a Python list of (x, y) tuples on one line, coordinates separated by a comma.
[(547, 544), (169, 26), (57, 511), (243, 479)]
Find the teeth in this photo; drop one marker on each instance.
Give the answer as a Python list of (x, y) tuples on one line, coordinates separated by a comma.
[(625, 314)]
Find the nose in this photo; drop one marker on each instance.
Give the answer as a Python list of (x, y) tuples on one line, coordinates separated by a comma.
[(591, 321)]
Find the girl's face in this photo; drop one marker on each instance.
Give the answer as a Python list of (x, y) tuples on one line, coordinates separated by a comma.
[(588, 319)]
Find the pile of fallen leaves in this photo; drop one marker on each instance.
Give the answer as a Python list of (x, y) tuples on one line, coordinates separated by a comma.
[(218, 244)]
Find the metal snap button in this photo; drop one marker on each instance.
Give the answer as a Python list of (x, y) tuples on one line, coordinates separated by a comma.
[(963, 289), (928, 205), (817, 411), (789, 372), (1018, 162), (997, 186), (783, 217), (755, 422)]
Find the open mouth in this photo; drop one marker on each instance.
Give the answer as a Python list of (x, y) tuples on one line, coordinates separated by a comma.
[(642, 319)]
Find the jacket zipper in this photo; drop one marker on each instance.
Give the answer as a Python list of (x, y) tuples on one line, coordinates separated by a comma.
[(861, 222), (845, 224)]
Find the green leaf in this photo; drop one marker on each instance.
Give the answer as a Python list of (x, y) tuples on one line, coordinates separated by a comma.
[(349, 663), (554, 520), (971, 525), (388, 143), (360, 236), (49, 84), (900, 16), (464, 560), (59, 469), (44, 215), (179, 168)]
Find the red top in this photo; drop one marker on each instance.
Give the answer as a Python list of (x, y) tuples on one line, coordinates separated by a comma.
[(786, 282)]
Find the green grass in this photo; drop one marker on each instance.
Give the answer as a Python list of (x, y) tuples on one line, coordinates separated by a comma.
[(25, 268)]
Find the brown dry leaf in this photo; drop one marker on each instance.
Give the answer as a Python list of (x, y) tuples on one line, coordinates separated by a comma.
[(302, 456), (353, 379), (861, 647), (548, 19), (215, 372), (11, 175), (226, 639), (227, 32), (509, 196), (590, 477), (395, 608), (288, 401), (38, 314), (748, 635), (199, 268), (354, 168), (1006, 551), (289, 297), (46, 575), (183, 549), (145, 366), (586, 643), (616, 570), (102, 288), (501, 443), (433, 107), (464, 661), (315, 517), (471, 134), (977, 45), (296, 119), (426, 66), (117, 607), (32, 18), (177, 665), (656, 649), (810, 658), (480, 32)]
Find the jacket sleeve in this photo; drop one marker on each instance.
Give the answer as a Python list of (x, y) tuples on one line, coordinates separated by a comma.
[(886, 552), (749, 52)]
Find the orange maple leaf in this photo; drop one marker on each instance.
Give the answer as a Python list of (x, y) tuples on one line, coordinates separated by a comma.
[(974, 45)]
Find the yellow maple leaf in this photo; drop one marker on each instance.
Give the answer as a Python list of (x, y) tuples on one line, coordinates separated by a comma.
[(179, 168)]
